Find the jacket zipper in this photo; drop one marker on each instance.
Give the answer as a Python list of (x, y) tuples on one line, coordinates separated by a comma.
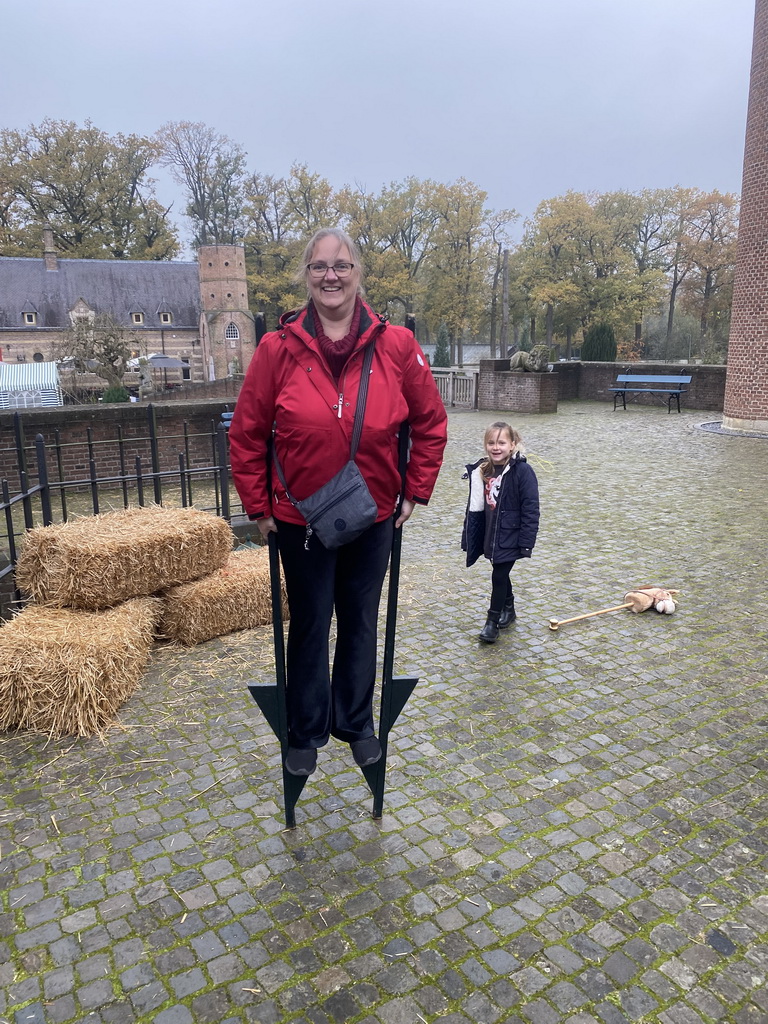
[(506, 470), (355, 353)]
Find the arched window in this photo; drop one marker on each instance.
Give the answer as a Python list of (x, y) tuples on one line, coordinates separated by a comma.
[(231, 333)]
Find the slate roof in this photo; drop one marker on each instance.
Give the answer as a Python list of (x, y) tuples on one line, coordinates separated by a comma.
[(117, 287)]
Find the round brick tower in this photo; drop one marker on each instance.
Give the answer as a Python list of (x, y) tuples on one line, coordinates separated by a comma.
[(746, 385)]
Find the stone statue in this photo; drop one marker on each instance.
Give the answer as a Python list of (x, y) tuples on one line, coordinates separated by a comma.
[(146, 384), (535, 361)]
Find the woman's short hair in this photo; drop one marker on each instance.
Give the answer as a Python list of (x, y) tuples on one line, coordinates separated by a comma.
[(302, 274)]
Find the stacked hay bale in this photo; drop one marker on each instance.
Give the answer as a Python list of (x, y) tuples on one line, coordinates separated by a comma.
[(66, 673), (99, 561), (70, 658), (236, 596)]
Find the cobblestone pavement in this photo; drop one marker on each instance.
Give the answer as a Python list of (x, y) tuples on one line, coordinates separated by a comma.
[(575, 821)]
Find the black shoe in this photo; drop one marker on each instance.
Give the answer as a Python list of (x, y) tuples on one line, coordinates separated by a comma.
[(508, 614), (366, 752), (300, 762), (490, 631)]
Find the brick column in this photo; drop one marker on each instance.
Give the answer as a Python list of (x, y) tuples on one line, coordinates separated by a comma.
[(746, 386)]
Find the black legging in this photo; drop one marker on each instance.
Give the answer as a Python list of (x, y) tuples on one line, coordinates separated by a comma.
[(501, 587)]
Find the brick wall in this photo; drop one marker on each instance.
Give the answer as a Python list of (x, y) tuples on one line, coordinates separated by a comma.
[(501, 388), (746, 396), (595, 380), (74, 422), (592, 382)]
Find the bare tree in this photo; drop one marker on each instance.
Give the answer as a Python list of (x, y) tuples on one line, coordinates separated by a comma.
[(212, 170), (99, 345)]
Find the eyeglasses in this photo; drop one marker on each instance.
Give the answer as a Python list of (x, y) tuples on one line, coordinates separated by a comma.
[(321, 269)]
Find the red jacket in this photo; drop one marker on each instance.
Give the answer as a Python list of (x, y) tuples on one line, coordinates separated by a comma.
[(289, 385)]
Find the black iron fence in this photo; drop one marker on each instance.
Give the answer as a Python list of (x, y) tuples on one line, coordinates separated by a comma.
[(176, 470)]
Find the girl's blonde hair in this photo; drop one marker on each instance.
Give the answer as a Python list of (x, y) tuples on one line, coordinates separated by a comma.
[(486, 467)]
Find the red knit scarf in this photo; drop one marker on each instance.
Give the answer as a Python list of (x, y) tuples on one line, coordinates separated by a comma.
[(337, 352)]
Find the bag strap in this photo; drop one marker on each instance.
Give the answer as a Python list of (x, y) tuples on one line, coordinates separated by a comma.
[(357, 427), (362, 398)]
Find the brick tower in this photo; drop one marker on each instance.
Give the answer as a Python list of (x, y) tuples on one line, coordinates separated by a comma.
[(746, 385), (227, 329)]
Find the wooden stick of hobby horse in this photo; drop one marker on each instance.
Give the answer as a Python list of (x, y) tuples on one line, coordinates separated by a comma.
[(555, 623)]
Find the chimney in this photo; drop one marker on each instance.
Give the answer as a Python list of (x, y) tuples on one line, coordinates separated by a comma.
[(49, 252)]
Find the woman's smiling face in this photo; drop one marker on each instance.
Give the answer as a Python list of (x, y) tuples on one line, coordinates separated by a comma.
[(332, 295)]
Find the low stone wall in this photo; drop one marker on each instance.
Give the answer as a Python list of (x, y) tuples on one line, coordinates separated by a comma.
[(502, 388), (593, 381)]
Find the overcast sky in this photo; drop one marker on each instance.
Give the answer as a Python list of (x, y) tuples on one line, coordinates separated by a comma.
[(526, 98)]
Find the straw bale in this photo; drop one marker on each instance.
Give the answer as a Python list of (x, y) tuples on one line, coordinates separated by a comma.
[(66, 672), (98, 561), (234, 597)]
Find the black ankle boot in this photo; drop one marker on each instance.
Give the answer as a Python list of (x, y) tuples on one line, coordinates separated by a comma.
[(508, 614), (490, 631)]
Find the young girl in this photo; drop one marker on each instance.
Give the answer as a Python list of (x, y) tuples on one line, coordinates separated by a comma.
[(502, 518)]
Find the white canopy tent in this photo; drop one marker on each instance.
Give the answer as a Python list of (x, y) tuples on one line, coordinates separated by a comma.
[(29, 385)]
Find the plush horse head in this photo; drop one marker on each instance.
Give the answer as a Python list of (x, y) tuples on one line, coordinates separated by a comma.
[(646, 597)]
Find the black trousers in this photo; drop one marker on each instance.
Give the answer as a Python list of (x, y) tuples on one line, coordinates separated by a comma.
[(501, 586), (318, 582)]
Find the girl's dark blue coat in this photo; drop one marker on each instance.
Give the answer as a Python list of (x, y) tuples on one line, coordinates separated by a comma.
[(517, 513)]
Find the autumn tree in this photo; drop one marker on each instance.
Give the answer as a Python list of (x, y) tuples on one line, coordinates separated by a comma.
[(709, 287), (311, 201), (363, 218), (93, 190), (211, 169), (459, 262), (279, 217), (409, 224), (653, 221), (549, 262), (271, 246)]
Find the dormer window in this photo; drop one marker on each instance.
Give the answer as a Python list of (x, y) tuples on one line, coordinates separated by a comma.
[(30, 319), (137, 319), (166, 318)]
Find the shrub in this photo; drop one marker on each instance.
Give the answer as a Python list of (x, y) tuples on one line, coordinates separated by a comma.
[(442, 356), (599, 344), (116, 393)]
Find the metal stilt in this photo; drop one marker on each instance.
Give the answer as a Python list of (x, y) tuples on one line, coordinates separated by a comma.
[(271, 699), (395, 690)]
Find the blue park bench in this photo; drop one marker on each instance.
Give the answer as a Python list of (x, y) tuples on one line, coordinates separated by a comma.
[(665, 388)]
